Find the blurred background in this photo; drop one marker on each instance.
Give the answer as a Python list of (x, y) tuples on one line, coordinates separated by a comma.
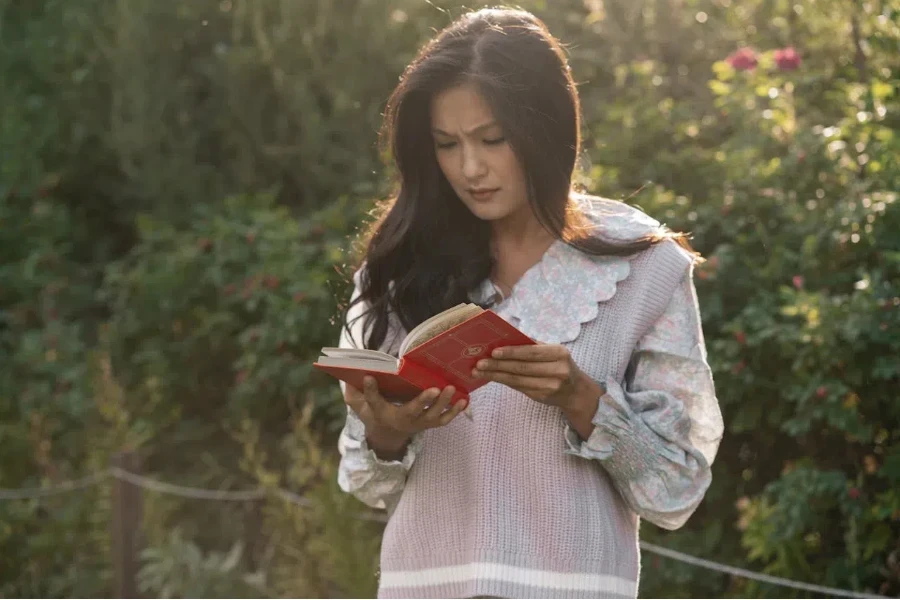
[(180, 184)]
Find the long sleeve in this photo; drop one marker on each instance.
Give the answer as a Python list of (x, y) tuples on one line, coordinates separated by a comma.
[(376, 482), (658, 435)]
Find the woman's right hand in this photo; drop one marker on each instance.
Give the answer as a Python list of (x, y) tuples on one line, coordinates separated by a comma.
[(389, 426)]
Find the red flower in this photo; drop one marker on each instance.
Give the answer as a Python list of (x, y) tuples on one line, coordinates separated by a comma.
[(853, 493), (743, 59), (741, 337), (822, 391), (736, 369), (204, 244), (250, 237), (787, 59), (250, 285), (299, 297), (798, 281), (272, 282), (241, 377)]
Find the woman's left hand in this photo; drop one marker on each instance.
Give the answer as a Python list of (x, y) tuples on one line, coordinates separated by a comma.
[(544, 372)]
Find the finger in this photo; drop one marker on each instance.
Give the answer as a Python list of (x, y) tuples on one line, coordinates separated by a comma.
[(454, 411), (525, 367), (373, 398), (538, 352), (418, 405), (520, 382), (354, 398), (441, 404)]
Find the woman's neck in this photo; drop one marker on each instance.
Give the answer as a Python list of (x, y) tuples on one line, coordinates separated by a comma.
[(520, 232), (516, 247)]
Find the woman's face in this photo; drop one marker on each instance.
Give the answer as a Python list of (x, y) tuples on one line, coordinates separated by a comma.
[(474, 156)]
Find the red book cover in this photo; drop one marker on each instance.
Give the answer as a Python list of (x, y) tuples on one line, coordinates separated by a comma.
[(447, 359)]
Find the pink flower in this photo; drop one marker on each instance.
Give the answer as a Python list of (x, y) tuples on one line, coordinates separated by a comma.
[(743, 59), (787, 59), (798, 281)]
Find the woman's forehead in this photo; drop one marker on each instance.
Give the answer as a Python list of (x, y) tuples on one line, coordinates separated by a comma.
[(461, 110)]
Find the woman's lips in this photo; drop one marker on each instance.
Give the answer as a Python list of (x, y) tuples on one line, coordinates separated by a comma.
[(482, 195)]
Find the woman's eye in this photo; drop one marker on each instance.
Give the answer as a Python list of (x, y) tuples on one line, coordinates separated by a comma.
[(445, 145), (495, 141)]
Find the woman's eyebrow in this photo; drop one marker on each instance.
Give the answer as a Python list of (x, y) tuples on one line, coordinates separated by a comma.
[(472, 131)]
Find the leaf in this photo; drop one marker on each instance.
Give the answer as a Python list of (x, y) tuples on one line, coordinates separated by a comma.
[(233, 557)]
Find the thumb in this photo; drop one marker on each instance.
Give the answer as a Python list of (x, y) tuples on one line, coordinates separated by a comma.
[(373, 400)]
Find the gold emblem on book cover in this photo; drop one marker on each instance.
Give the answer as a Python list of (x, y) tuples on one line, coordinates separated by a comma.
[(473, 350)]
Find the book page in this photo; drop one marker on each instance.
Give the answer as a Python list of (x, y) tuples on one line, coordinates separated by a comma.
[(438, 324), (360, 353), (379, 366), (426, 323)]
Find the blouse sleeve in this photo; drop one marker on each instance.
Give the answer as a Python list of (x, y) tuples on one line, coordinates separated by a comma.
[(658, 435), (378, 483)]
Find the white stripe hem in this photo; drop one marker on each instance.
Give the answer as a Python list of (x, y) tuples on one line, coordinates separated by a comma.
[(509, 574)]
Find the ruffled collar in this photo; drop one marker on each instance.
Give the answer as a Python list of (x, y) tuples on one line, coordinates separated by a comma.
[(564, 289)]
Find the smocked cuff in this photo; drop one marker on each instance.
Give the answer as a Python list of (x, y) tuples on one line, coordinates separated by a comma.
[(611, 423), (375, 481)]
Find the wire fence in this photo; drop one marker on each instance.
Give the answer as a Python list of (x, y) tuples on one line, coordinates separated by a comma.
[(193, 493)]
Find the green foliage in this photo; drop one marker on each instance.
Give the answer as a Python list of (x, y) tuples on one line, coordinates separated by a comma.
[(786, 179), (215, 313), (178, 181), (53, 547), (326, 548), (179, 569)]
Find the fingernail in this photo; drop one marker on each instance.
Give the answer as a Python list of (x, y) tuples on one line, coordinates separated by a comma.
[(476, 373), (481, 364), (463, 404), (497, 353), (450, 389)]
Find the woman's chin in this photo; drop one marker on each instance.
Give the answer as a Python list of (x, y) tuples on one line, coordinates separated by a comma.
[(489, 213)]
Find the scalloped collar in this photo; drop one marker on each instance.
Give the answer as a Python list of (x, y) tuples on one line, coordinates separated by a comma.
[(564, 288)]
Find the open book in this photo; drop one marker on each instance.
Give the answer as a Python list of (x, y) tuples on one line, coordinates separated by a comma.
[(441, 351)]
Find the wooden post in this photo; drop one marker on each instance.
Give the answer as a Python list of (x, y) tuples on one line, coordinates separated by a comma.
[(125, 527)]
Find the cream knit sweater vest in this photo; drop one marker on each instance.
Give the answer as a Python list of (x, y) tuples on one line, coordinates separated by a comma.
[(496, 507)]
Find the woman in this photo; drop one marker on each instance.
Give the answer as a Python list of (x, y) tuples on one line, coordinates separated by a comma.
[(611, 418)]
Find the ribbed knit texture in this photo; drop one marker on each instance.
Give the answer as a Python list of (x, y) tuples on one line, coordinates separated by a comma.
[(496, 507)]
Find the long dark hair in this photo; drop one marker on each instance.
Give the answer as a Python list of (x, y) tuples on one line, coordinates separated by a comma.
[(426, 251)]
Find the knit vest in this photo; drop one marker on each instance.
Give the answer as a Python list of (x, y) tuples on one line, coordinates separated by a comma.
[(496, 507)]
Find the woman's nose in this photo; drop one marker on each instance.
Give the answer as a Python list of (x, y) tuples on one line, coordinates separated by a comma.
[(473, 166)]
